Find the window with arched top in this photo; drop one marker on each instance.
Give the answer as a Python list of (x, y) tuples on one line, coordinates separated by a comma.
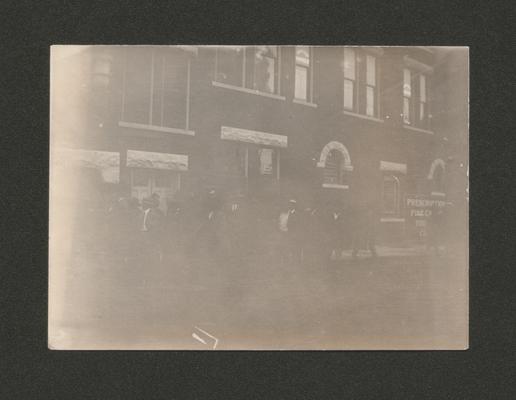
[(391, 195), (334, 170), (336, 164), (436, 176)]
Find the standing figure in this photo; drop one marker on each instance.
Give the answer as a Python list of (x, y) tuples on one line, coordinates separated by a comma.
[(335, 222), (151, 227), (290, 228)]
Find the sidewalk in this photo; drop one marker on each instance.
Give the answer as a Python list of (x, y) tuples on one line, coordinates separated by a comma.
[(385, 251)]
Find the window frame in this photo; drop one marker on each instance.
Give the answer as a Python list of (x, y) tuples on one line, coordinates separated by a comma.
[(277, 68), (353, 81), (415, 100), (371, 86), (360, 83), (309, 75), (407, 97), (248, 77), (342, 172), (150, 125), (397, 197)]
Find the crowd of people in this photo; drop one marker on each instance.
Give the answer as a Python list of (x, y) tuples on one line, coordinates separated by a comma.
[(238, 227)]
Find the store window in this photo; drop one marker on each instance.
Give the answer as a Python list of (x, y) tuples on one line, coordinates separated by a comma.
[(360, 82), (254, 67), (155, 87), (304, 74), (251, 161), (148, 181), (391, 195), (266, 157)]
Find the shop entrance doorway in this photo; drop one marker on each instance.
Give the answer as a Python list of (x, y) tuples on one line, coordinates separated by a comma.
[(146, 181)]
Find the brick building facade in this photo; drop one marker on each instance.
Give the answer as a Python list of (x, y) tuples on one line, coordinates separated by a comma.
[(346, 125)]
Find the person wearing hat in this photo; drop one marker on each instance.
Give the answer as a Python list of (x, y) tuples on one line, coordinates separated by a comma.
[(289, 226), (151, 226)]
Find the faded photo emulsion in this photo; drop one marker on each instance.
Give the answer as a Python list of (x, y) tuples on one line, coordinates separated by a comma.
[(258, 198)]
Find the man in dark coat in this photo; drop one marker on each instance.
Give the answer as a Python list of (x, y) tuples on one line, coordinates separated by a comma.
[(335, 225)]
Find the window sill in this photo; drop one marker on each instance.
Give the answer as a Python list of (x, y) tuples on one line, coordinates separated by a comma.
[(135, 125), (392, 219), (413, 128), (354, 114), (304, 103), (334, 186), (247, 90)]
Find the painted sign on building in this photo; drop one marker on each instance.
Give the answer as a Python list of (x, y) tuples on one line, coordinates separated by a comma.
[(421, 207)]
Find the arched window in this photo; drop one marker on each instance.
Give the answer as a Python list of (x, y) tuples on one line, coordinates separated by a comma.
[(436, 176), (391, 195), (336, 163), (334, 171)]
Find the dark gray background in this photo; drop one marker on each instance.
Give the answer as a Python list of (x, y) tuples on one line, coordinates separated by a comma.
[(28, 370)]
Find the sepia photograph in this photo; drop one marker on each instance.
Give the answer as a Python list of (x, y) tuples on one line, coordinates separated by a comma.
[(290, 197)]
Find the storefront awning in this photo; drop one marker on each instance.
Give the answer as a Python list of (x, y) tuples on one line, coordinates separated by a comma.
[(107, 162), (255, 137), (147, 159)]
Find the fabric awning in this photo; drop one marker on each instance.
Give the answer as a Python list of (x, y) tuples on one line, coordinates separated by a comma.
[(255, 137), (147, 159), (107, 162)]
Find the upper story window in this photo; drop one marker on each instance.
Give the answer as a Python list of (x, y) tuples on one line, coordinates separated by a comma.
[(415, 98), (265, 69), (360, 82), (304, 74), (407, 96), (350, 81), (155, 87), (230, 65), (255, 67), (422, 117)]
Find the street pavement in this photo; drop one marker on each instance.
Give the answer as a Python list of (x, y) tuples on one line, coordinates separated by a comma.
[(401, 300)]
